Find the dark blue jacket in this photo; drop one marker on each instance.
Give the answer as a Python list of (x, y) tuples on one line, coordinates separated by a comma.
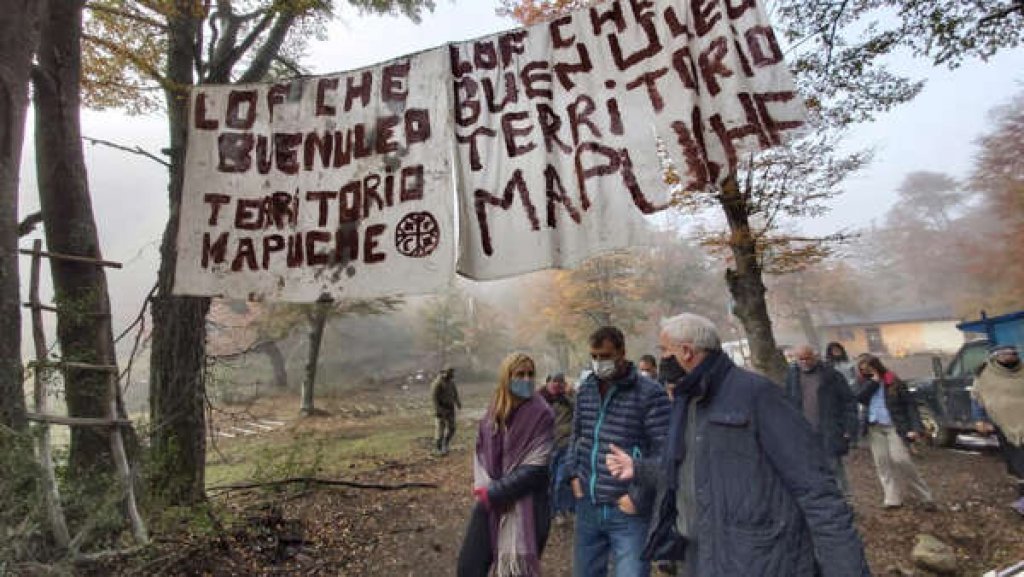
[(837, 407), (634, 416), (766, 504)]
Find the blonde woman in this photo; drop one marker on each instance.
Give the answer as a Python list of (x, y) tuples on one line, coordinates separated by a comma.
[(509, 523)]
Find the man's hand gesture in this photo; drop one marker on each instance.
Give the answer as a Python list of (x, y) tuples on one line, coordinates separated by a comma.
[(619, 463)]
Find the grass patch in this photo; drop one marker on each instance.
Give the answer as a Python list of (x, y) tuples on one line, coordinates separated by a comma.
[(323, 452)]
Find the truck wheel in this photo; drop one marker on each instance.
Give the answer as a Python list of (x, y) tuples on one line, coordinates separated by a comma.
[(939, 435)]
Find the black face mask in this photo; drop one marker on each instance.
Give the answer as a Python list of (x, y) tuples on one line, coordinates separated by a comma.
[(670, 371)]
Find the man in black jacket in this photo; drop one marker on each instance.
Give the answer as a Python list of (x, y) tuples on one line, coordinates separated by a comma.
[(743, 486), (823, 396)]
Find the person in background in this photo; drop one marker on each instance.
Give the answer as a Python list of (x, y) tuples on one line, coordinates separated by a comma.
[(825, 399), (618, 406), (836, 357), (743, 487), (999, 408), (648, 367), (445, 397), (893, 420), (509, 523), (670, 373), (584, 375), (555, 392)]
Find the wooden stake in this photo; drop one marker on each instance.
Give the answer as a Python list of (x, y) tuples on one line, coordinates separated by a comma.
[(74, 365), (52, 496), (76, 421), (71, 258), (121, 459)]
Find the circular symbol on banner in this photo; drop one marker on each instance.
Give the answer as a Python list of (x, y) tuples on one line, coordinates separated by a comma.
[(417, 235)]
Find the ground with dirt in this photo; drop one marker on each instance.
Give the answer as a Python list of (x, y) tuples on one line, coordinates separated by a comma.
[(323, 530)]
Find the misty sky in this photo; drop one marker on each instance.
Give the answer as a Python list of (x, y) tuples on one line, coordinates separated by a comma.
[(934, 132)]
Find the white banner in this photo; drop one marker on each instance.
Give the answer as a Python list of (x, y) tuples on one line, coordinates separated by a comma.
[(561, 128), (337, 185)]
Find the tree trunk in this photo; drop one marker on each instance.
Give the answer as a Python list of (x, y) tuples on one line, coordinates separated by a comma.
[(19, 28), (276, 357), (807, 324), (177, 359), (747, 285), (317, 322), (83, 323)]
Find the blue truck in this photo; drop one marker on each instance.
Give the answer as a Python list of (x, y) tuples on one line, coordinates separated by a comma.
[(945, 400)]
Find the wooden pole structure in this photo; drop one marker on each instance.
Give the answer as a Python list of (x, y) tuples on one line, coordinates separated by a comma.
[(112, 419), (54, 511), (123, 469)]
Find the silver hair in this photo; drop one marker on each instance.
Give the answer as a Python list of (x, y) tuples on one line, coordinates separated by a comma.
[(694, 329), (814, 350)]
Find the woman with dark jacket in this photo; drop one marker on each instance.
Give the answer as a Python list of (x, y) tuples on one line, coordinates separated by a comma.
[(893, 419), (836, 357), (509, 523)]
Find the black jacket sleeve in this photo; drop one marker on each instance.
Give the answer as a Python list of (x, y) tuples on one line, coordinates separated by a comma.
[(847, 403), (903, 409), (865, 390), (518, 483)]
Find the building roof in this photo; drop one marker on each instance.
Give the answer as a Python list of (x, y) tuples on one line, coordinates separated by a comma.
[(890, 316)]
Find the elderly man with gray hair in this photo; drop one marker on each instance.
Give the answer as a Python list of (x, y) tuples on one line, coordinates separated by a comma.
[(743, 485)]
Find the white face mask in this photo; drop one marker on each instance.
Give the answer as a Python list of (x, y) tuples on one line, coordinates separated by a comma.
[(604, 369)]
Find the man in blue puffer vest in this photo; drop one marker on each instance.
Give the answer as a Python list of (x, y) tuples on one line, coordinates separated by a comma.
[(615, 405)]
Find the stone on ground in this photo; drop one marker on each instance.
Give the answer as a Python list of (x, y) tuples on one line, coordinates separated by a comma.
[(934, 555)]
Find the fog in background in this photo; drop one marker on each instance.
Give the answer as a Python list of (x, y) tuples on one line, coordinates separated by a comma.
[(935, 132)]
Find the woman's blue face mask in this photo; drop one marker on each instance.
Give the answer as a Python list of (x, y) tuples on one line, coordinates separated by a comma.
[(521, 388)]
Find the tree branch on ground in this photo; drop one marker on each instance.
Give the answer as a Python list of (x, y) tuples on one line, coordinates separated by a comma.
[(324, 482)]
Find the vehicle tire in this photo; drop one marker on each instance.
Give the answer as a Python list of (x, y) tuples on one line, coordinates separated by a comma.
[(938, 435)]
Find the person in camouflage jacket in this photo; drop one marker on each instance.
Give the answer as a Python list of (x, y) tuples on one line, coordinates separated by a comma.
[(445, 397)]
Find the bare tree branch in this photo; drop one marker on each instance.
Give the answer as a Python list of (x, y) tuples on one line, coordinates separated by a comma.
[(830, 42), (137, 150), (217, 72), (1000, 14), (271, 47), (28, 224), (238, 52), (293, 67)]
